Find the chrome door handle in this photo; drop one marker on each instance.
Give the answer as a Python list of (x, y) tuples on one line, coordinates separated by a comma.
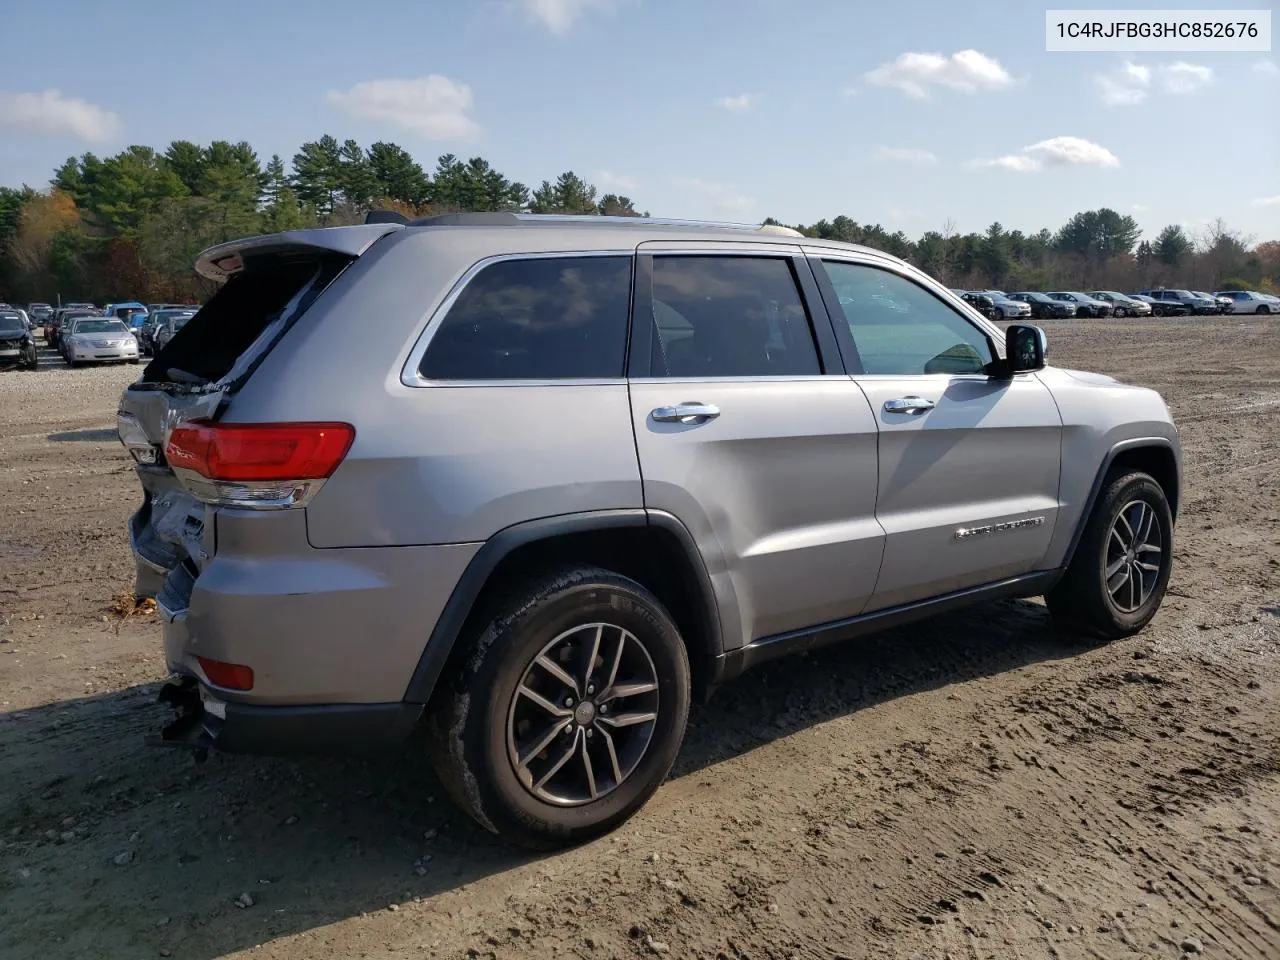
[(688, 412), (912, 405)]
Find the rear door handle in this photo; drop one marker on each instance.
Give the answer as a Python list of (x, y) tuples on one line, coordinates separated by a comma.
[(912, 405), (688, 412)]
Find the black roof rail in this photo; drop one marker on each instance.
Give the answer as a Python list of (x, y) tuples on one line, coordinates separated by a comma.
[(467, 220), (385, 216)]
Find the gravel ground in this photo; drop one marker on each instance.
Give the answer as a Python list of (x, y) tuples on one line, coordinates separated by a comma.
[(982, 785)]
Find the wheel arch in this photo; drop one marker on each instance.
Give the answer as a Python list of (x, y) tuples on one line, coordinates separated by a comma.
[(1152, 455), (650, 546)]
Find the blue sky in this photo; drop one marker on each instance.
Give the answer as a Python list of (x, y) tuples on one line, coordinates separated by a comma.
[(905, 113)]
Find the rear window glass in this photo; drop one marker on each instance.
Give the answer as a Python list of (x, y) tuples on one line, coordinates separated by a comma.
[(9, 323), (229, 335), (545, 318)]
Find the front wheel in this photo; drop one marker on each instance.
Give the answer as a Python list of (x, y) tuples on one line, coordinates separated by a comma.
[(1118, 575), (1263, 310), (566, 709)]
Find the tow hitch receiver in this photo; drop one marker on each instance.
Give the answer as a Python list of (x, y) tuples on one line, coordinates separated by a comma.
[(191, 729)]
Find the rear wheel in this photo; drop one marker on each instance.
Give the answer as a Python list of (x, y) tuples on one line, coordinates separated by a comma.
[(1120, 570), (565, 711)]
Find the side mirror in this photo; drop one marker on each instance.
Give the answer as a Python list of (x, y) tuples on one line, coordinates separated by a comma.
[(1025, 348)]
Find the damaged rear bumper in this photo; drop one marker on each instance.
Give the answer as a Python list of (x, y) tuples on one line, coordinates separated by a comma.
[(206, 723)]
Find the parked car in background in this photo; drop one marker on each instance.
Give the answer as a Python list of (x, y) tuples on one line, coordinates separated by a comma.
[(1223, 303), (1086, 306), (133, 313), (984, 304), (82, 305), (1043, 306), (39, 313), (53, 329), (1247, 301), (1162, 308), (1007, 308), (1123, 305), (98, 340), (168, 323), (1193, 303), (17, 344)]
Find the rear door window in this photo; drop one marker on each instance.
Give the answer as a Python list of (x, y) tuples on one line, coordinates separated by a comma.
[(542, 318), (729, 317)]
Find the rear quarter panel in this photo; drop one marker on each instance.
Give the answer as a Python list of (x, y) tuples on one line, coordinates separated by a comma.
[(441, 463)]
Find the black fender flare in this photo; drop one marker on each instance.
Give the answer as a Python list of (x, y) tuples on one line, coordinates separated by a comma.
[(448, 626), (1095, 489)]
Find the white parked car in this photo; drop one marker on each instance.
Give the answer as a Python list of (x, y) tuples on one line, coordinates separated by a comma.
[(97, 339), (1247, 301)]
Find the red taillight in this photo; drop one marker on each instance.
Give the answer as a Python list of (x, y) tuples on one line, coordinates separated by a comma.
[(259, 451), (232, 676)]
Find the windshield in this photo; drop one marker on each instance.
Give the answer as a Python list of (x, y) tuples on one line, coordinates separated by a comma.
[(10, 323), (99, 326)]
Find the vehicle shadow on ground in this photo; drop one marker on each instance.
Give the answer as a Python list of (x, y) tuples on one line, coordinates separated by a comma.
[(85, 436), (318, 841)]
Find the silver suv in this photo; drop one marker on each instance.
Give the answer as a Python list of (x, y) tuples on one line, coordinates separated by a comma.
[(536, 482)]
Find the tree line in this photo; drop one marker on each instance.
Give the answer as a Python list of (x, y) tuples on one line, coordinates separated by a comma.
[(131, 225)]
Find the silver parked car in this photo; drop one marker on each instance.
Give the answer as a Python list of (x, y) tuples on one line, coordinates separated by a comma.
[(97, 340), (1123, 305), (535, 482)]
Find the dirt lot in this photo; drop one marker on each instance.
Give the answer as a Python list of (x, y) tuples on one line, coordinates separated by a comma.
[(978, 786)]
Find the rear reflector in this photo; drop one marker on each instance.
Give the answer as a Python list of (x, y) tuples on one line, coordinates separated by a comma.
[(259, 451), (231, 676)]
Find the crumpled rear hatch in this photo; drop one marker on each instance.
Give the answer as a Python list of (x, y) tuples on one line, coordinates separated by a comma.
[(267, 285)]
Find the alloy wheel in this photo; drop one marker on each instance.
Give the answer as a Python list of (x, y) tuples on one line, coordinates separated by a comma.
[(583, 715), (1135, 552)]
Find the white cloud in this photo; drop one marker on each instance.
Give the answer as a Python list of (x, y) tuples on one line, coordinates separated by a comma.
[(1125, 87), (1054, 152), (1132, 83), (1139, 208), (1268, 201), (1182, 77), (1014, 162), (906, 154), (724, 197), (50, 112), (433, 106), (736, 104), (1267, 68), (612, 182), (559, 15), (967, 71)]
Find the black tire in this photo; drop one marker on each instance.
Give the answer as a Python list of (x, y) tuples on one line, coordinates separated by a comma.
[(134, 361), (472, 720), (1263, 310), (1121, 312), (1082, 597)]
